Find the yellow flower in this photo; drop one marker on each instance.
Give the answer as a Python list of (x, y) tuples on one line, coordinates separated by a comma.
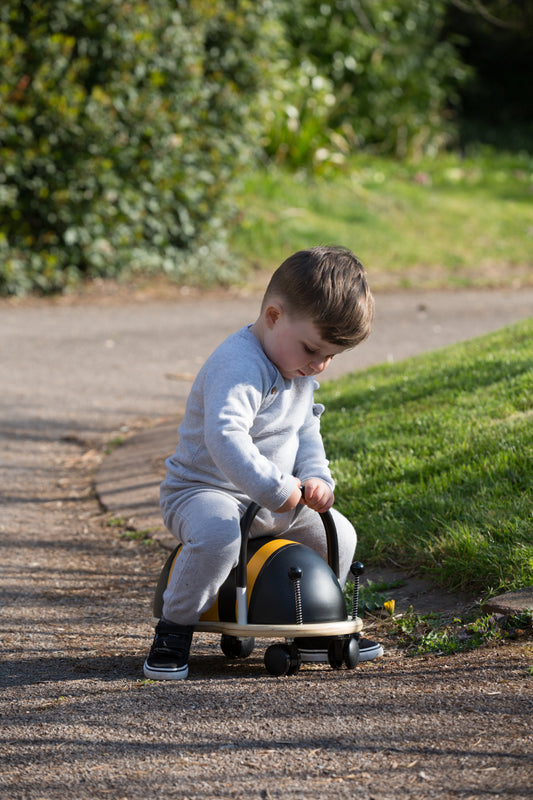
[(389, 606)]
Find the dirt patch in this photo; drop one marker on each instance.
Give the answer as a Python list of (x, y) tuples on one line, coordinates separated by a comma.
[(77, 714), (76, 710)]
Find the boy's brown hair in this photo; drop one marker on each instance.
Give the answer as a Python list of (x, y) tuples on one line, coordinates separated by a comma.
[(329, 286)]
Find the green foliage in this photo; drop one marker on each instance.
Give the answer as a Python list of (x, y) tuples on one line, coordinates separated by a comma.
[(390, 76), (433, 459), (123, 123), (372, 596), (297, 110)]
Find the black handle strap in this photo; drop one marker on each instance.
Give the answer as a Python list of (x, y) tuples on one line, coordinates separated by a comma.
[(246, 523)]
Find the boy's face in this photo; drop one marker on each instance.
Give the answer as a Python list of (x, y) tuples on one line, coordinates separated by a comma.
[(294, 345)]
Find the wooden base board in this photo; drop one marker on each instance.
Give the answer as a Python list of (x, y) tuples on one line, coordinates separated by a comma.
[(282, 631)]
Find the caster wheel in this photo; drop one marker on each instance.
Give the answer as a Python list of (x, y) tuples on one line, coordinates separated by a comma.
[(343, 652), (282, 660), (351, 652), (296, 660), (335, 653), (233, 647)]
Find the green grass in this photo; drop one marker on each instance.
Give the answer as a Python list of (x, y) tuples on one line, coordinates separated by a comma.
[(443, 222), (433, 459)]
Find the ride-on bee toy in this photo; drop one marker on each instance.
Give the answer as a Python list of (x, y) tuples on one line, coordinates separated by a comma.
[(280, 589)]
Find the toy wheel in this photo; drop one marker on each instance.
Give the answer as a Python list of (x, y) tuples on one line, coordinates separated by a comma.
[(350, 652), (296, 660), (343, 652), (234, 647), (282, 660), (336, 653)]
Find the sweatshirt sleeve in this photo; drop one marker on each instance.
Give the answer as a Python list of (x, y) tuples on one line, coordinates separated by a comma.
[(311, 461), (231, 406)]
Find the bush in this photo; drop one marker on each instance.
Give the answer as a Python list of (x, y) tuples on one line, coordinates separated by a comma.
[(391, 78), (123, 126)]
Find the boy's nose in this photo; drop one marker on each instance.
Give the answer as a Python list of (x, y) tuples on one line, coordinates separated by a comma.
[(319, 366)]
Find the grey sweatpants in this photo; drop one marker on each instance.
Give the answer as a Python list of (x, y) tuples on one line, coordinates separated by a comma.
[(207, 523)]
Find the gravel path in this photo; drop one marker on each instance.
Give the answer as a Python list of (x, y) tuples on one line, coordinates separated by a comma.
[(77, 716)]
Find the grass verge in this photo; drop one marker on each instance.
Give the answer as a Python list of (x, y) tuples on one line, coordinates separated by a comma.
[(448, 221), (433, 459)]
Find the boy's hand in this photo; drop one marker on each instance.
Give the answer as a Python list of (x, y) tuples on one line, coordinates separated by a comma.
[(317, 495), (293, 499)]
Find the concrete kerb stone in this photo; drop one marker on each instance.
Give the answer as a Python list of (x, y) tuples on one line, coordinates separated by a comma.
[(127, 481), (511, 603)]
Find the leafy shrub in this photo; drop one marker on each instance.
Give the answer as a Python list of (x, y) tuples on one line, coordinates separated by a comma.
[(297, 108), (123, 125), (125, 122), (391, 76)]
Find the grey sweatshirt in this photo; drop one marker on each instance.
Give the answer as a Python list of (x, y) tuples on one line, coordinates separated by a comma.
[(247, 430)]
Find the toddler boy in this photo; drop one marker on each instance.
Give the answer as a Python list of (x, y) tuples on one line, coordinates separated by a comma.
[(251, 432)]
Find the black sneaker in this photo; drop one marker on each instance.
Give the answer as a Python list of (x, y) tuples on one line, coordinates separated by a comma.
[(369, 650), (169, 654), (314, 650)]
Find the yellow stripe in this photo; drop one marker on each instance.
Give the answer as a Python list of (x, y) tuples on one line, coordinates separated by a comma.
[(211, 615), (254, 567), (257, 562)]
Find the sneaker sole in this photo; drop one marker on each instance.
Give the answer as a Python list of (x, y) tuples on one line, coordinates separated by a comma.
[(369, 653), (165, 674), (321, 656)]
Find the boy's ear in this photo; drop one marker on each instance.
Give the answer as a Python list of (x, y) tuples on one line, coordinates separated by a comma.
[(272, 313)]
